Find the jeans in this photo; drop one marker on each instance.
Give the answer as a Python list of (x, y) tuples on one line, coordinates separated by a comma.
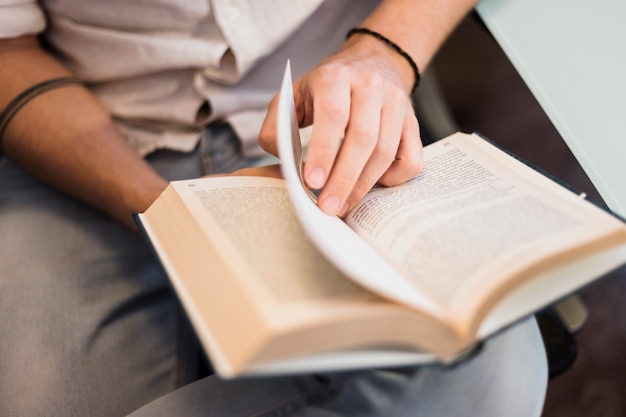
[(90, 327)]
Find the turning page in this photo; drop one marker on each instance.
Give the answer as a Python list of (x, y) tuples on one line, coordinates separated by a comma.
[(340, 244)]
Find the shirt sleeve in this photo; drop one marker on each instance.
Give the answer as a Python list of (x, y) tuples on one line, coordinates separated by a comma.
[(20, 17)]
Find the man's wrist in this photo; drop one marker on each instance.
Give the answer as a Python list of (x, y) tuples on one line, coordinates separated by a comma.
[(394, 46), (362, 46)]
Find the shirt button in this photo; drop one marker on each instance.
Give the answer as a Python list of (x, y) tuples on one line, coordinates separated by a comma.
[(232, 13)]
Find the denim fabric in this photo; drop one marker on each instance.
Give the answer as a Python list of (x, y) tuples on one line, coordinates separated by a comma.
[(508, 377), (220, 151), (90, 327)]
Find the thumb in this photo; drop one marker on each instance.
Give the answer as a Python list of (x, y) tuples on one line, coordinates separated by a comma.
[(268, 134)]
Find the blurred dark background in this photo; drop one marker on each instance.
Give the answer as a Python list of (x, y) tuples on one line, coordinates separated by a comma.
[(484, 93)]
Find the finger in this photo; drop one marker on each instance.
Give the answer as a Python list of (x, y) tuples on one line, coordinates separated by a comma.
[(268, 135), (268, 132), (410, 157), (391, 125), (361, 139), (331, 110)]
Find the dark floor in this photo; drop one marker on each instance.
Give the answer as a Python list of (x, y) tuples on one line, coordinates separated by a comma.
[(486, 94)]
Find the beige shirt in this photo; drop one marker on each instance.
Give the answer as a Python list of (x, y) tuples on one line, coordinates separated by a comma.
[(166, 68)]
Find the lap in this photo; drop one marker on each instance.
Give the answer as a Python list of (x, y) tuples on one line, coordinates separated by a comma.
[(91, 327)]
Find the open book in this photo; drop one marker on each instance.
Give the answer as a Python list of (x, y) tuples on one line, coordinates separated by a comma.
[(416, 273)]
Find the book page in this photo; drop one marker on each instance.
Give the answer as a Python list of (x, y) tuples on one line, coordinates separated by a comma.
[(340, 244), (257, 291), (254, 217), (467, 217)]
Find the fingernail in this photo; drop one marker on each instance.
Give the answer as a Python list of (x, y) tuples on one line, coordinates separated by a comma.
[(315, 179), (330, 205)]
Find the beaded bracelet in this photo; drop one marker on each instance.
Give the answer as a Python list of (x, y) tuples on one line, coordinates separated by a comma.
[(393, 46), (27, 95)]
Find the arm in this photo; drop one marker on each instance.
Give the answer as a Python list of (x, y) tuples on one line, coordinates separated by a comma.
[(66, 138), (361, 95)]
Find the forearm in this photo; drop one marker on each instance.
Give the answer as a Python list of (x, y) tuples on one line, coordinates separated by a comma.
[(66, 138)]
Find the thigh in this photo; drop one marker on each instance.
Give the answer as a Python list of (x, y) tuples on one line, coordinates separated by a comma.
[(507, 377), (88, 321)]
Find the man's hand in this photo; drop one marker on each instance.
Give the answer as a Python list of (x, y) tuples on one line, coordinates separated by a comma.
[(364, 126)]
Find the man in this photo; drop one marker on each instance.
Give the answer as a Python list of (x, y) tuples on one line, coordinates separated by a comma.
[(177, 89)]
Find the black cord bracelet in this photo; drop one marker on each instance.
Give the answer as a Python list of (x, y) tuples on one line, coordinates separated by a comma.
[(393, 46), (27, 95)]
